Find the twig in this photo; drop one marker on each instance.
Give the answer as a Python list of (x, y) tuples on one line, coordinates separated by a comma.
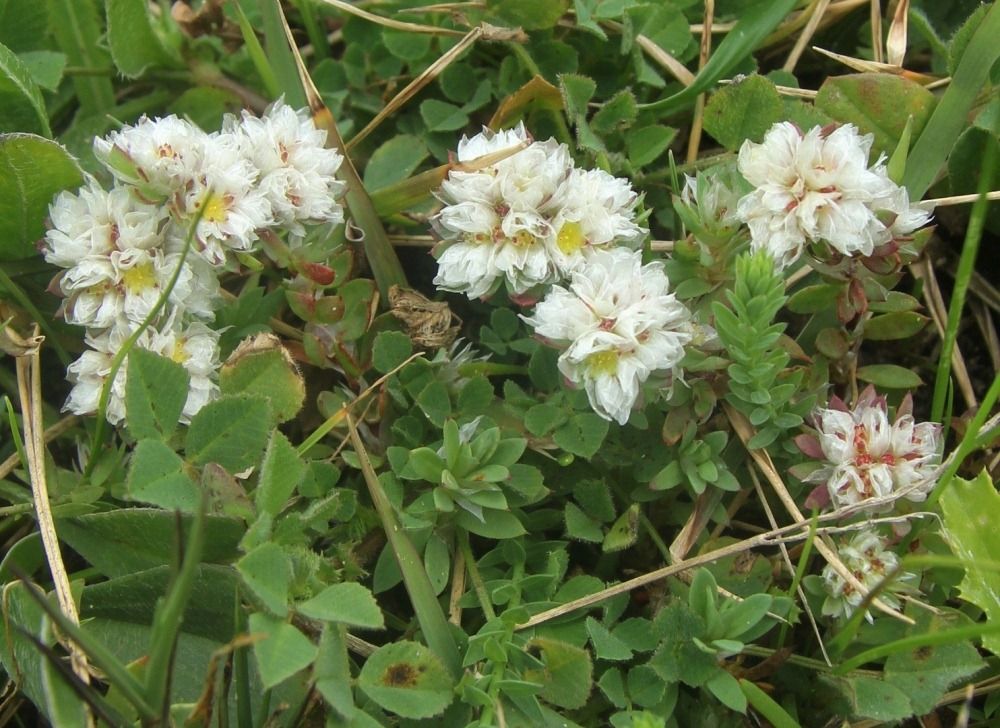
[(878, 46), (29, 381), (389, 22), (819, 8), (705, 49)]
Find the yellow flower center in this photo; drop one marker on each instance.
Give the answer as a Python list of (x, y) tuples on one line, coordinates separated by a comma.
[(139, 277), (179, 353), (523, 239), (602, 363), (215, 209), (570, 238)]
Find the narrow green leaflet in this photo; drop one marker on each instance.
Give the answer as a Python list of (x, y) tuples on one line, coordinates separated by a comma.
[(230, 431), (970, 508), (407, 679), (349, 603), (568, 673), (280, 474), (262, 367), (267, 571), (744, 110), (21, 105), (155, 392), (282, 652), (32, 171), (134, 44), (394, 161)]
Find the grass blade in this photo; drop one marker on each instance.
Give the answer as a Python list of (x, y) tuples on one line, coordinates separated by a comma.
[(435, 627), (76, 26), (752, 27), (280, 55), (950, 115)]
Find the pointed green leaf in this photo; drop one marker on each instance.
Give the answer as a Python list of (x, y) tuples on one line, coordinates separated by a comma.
[(157, 476), (134, 44), (267, 572), (280, 474), (282, 652), (262, 367), (743, 110), (348, 602), (567, 674), (156, 389), (21, 105), (230, 431)]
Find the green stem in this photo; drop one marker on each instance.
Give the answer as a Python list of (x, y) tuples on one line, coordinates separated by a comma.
[(966, 267), (477, 579), (661, 545), (800, 570)]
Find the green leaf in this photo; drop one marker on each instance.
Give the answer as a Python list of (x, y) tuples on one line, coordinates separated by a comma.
[(927, 672), (32, 171), (872, 697), (156, 389), (394, 161), (21, 106), (743, 110), (577, 91), (618, 112), (435, 402), (895, 325), (282, 652), (442, 116), (475, 396), (567, 673), (332, 672), (645, 144), (133, 43), (528, 14), (46, 67), (405, 45), (496, 524), (766, 706), (543, 418), (679, 658), (582, 435), (407, 679), (969, 508), (813, 299), (606, 645), (77, 28), (348, 602), (267, 572), (725, 687), (877, 103), (125, 541), (157, 476), (280, 473), (391, 348), (23, 26), (624, 532), (230, 431), (263, 368), (581, 527), (889, 376)]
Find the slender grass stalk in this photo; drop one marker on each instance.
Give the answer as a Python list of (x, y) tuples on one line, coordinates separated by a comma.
[(766, 706), (966, 267), (477, 579), (800, 571), (429, 614), (950, 116), (256, 52), (928, 639), (279, 53)]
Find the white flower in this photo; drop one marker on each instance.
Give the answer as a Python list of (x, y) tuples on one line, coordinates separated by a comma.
[(867, 557), (597, 210), (296, 170), (619, 324), (234, 206), (812, 187), (195, 346), (158, 156), (496, 219), (92, 222), (867, 457)]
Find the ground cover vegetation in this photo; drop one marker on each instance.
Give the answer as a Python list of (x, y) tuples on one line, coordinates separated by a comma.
[(499, 363)]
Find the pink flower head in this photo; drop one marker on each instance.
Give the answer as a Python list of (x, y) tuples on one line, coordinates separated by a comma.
[(868, 457)]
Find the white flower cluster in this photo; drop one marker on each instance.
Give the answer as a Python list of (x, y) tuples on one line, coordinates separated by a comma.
[(120, 248), (530, 219), (868, 557), (867, 457), (818, 186), (618, 324)]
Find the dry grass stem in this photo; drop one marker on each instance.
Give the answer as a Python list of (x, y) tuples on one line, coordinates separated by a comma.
[(389, 22), (705, 50), (863, 66), (670, 64), (29, 383), (817, 11), (938, 309), (987, 327), (445, 7), (662, 246), (413, 241), (745, 431), (695, 524), (961, 199), (878, 46), (457, 588), (697, 28), (762, 497)]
